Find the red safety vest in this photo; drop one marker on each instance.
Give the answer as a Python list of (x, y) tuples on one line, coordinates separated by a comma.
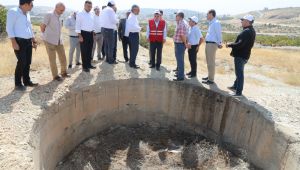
[(156, 34)]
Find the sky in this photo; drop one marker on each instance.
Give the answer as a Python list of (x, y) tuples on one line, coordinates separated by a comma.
[(221, 6)]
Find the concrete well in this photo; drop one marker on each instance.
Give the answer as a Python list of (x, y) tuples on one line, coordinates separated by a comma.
[(83, 113)]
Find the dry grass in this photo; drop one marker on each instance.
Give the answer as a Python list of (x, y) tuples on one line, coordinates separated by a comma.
[(283, 65)]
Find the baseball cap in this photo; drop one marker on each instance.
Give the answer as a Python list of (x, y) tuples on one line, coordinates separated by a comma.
[(157, 12), (194, 18), (248, 17)]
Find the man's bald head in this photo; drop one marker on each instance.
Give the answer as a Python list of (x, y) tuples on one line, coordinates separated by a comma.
[(60, 8)]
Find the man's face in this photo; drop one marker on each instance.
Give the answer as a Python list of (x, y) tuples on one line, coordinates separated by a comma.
[(97, 12), (245, 23), (191, 23), (178, 18), (136, 10), (88, 7), (209, 16), (156, 17), (28, 7), (60, 10)]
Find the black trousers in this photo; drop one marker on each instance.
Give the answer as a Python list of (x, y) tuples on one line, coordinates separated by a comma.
[(134, 40), (156, 49), (103, 50), (86, 49), (125, 44), (115, 45), (24, 56), (193, 59), (109, 44)]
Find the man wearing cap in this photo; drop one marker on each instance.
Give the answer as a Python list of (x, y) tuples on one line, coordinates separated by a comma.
[(98, 39), (122, 37), (85, 30), (213, 42), (156, 35), (132, 31), (109, 25), (241, 51), (180, 44), (195, 39), (19, 30), (74, 39), (51, 29)]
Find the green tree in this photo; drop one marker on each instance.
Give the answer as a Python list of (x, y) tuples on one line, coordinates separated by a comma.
[(3, 11)]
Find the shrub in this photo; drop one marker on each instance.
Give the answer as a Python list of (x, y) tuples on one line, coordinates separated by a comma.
[(3, 12)]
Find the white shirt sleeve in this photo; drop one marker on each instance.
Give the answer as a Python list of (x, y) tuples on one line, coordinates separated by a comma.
[(78, 23), (11, 19)]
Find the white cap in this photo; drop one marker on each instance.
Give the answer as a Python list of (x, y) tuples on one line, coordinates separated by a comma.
[(248, 17), (157, 12), (194, 18), (112, 2)]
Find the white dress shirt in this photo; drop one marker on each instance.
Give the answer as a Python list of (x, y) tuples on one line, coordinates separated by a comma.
[(97, 23), (214, 32), (84, 22), (70, 25), (132, 25), (18, 24), (156, 23), (109, 18), (194, 35)]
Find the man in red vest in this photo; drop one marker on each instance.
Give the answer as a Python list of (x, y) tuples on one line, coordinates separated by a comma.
[(156, 35)]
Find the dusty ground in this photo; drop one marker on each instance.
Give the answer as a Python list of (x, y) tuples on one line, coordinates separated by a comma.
[(19, 110), (149, 146)]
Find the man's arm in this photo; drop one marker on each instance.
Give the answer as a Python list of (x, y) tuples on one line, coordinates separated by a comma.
[(165, 32), (45, 23), (218, 31), (148, 32), (78, 27), (10, 24), (242, 41)]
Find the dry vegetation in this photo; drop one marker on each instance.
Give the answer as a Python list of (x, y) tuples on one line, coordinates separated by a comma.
[(279, 64)]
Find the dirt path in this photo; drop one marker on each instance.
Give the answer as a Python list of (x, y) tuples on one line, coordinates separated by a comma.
[(19, 110)]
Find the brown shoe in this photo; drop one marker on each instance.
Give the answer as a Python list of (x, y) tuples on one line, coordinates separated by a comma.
[(58, 78), (65, 75)]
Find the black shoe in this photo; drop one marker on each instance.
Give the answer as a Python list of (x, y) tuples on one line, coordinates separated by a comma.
[(158, 68), (205, 78), (126, 60), (92, 67), (176, 75), (31, 84), (135, 66), (20, 88), (86, 70), (237, 95), (208, 82), (232, 88), (78, 64), (178, 79), (188, 74), (66, 75), (58, 78), (192, 76), (152, 66), (115, 62), (70, 66), (175, 70)]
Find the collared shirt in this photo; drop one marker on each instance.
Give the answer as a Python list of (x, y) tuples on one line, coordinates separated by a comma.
[(194, 35), (156, 23), (181, 29), (132, 25), (214, 32), (70, 25), (52, 32), (109, 18), (97, 23), (84, 22), (18, 24)]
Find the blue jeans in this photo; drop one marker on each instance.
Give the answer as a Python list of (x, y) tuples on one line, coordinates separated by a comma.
[(179, 54), (239, 64), (134, 40)]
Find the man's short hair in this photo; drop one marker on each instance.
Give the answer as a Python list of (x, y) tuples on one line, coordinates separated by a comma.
[(181, 14), (22, 2), (88, 2), (161, 12), (212, 12), (134, 6)]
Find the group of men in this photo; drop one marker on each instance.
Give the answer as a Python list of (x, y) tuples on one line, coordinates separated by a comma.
[(89, 30)]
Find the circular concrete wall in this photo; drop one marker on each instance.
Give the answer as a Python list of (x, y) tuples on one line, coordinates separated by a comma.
[(83, 113)]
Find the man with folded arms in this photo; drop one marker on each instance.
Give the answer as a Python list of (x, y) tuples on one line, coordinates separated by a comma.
[(74, 39), (132, 32), (156, 35), (85, 30), (19, 30), (109, 25), (241, 51)]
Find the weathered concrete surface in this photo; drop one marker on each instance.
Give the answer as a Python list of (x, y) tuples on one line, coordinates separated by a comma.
[(83, 113)]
